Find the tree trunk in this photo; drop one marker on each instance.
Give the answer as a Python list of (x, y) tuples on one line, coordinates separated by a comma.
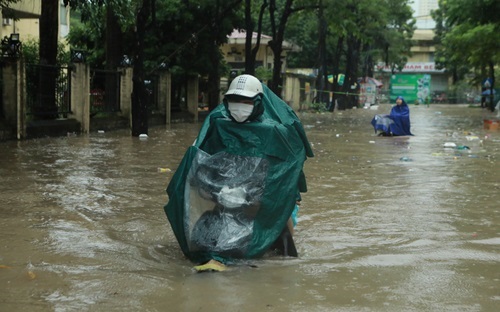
[(49, 33), (492, 87), (114, 55), (322, 79), (214, 77), (276, 44), (214, 87), (336, 63), (352, 60), (139, 102), (368, 61), (249, 60), (251, 54)]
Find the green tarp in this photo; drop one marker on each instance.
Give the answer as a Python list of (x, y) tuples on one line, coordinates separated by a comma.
[(236, 187)]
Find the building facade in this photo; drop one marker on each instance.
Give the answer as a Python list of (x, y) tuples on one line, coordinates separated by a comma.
[(234, 51), (420, 72), (23, 18)]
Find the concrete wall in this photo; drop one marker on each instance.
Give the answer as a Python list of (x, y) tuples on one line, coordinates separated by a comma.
[(292, 92), (126, 87), (80, 99), (164, 95), (14, 102), (15, 112)]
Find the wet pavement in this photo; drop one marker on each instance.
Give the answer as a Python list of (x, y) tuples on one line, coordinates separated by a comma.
[(388, 224)]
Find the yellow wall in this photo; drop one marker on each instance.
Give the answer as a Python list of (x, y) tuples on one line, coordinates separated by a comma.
[(264, 54), (422, 50), (27, 23), (28, 7), (26, 28)]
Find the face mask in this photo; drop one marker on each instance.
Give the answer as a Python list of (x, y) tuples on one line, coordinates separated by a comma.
[(240, 111)]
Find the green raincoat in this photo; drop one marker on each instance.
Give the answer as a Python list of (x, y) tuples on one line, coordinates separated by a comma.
[(236, 187)]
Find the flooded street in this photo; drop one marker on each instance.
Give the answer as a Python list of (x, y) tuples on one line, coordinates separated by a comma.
[(388, 224)]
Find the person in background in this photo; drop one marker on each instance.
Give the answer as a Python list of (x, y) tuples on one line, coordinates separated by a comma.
[(235, 194), (397, 123)]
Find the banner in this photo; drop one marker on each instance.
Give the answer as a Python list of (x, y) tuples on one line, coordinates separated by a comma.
[(414, 88)]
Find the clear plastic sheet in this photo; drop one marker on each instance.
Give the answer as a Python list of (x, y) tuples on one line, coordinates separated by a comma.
[(382, 123), (223, 193), (383, 120)]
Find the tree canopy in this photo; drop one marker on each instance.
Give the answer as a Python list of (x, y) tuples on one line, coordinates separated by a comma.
[(337, 36), (468, 38)]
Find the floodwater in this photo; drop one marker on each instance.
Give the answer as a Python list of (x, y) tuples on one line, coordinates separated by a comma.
[(388, 224)]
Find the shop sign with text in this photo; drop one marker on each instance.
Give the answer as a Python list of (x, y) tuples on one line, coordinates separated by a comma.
[(412, 67)]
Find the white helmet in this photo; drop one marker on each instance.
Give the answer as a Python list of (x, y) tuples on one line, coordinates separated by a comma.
[(245, 85)]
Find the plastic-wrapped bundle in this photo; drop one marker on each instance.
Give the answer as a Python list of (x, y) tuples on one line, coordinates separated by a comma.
[(382, 123), (223, 194)]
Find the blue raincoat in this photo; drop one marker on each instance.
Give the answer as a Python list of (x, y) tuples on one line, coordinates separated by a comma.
[(397, 123)]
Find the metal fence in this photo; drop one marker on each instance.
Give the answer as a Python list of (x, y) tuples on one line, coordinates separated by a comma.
[(48, 90)]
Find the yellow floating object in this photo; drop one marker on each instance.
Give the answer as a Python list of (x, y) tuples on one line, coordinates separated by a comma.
[(211, 266), (31, 275), (164, 170)]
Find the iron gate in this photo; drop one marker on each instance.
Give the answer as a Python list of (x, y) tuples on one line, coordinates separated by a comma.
[(48, 90), (104, 91)]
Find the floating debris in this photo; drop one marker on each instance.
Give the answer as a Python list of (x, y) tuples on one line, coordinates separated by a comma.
[(31, 275), (471, 137)]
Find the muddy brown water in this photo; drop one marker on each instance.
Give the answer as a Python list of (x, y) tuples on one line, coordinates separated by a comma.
[(388, 224)]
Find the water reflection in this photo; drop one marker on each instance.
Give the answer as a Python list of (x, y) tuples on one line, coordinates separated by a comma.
[(388, 224)]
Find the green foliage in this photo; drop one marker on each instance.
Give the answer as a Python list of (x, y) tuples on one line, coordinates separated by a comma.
[(30, 51), (89, 33), (315, 107), (383, 27), (469, 35), (302, 30), (264, 74), (180, 36), (6, 3), (186, 35), (396, 42)]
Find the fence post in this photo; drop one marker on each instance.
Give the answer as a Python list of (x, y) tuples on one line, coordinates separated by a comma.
[(292, 92), (192, 96), (126, 93), (80, 95), (164, 94), (14, 101)]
